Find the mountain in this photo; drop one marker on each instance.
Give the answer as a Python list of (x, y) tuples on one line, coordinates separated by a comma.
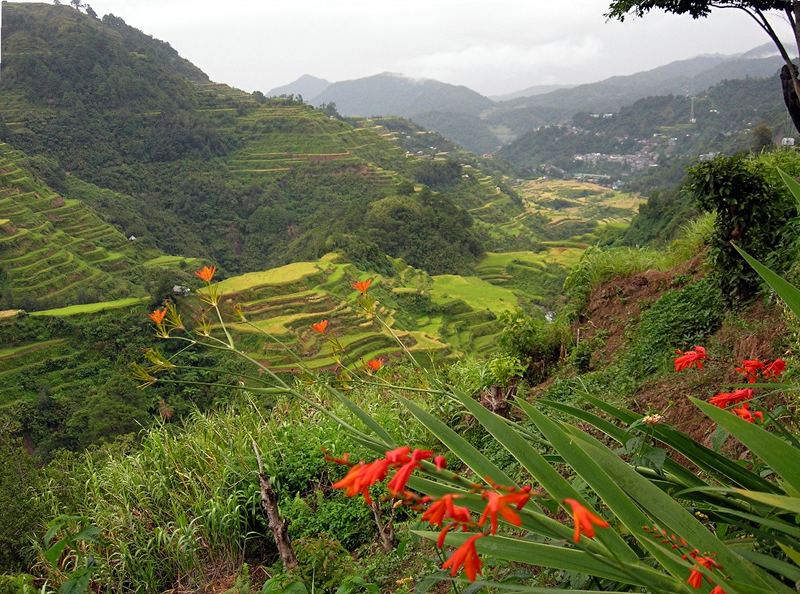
[(395, 94), (530, 92), (307, 86), (639, 139), (208, 171), (510, 119)]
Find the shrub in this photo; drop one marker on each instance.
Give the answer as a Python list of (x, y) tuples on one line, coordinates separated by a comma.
[(750, 211)]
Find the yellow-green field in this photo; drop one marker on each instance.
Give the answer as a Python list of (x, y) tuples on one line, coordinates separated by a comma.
[(86, 308), (475, 292), (276, 276)]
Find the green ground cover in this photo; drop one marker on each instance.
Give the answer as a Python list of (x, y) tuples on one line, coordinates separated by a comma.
[(87, 308)]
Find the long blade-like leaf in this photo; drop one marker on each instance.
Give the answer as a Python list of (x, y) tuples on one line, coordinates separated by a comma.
[(534, 553), (781, 456), (785, 290), (792, 184), (466, 452), (705, 458)]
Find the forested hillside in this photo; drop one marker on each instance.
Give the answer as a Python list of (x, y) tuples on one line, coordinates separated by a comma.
[(245, 181), (250, 346)]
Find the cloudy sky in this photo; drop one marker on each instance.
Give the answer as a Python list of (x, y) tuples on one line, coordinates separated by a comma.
[(493, 46)]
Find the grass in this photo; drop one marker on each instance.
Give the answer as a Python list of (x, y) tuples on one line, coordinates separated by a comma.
[(87, 308), (166, 260), (475, 292), (275, 276)]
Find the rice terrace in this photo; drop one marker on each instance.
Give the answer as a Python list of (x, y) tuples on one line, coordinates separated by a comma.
[(522, 320)]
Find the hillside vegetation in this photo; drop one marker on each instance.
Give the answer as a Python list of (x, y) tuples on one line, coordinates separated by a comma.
[(240, 179)]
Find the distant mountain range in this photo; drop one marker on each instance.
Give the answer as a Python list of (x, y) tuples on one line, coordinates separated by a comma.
[(482, 124)]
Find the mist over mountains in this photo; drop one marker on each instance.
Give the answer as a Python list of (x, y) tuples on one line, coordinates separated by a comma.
[(482, 124)]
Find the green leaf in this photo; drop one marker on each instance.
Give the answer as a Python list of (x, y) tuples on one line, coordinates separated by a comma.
[(619, 435), (705, 458), (775, 565), (465, 451), (362, 415), (669, 514), (779, 455), (792, 184), (785, 290), (557, 557)]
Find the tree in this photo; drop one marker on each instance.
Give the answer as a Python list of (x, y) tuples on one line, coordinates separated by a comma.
[(90, 11), (758, 10), (76, 4), (762, 137)]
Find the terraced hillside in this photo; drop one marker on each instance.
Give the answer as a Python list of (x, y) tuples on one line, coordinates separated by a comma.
[(55, 250), (242, 180), (432, 316)]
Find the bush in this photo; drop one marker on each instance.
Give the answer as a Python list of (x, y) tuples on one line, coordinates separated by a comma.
[(750, 212), (532, 343), (680, 319)]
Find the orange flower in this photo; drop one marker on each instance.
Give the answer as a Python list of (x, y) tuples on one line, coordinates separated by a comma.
[(344, 460), (689, 359), (466, 557), (497, 504), (320, 327), (362, 286), (774, 369), (585, 521), (750, 369), (718, 590), (206, 273), (400, 479), (399, 455), (443, 509), (158, 315), (441, 462), (745, 413), (695, 579), (725, 398), (375, 365), (361, 477)]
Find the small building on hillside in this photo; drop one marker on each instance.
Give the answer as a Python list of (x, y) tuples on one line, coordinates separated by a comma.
[(181, 291)]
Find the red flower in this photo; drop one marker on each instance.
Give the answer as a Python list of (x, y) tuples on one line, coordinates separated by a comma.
[(745, 413), (344, 460), (361, 477), (398, 455), (689, 359), (158, 315), (497, 504), (206, 273), (723, 399), (585, 521), (362, 286), (775, 369), (374, 365), (320, 327), (441, 462), (466, 557), (695, 579), (443, 509), (400, 479), (750, 369), (718, 590)]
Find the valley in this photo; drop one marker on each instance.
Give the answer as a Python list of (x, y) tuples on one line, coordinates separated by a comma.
[(388, 335)]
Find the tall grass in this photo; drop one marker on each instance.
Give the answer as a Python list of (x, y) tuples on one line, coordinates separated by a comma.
[(598, 266), (186, 505)]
